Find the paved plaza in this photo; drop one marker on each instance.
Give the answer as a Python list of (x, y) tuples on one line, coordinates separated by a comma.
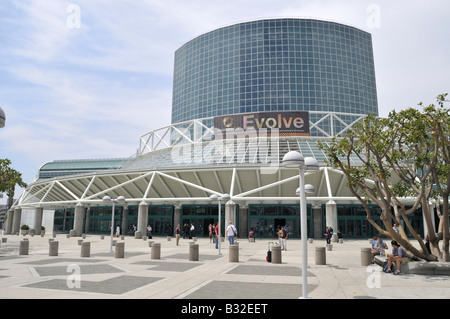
[(173, 276)]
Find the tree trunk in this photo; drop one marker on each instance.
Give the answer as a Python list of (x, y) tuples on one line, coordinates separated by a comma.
[(9, 203), (445, 230)]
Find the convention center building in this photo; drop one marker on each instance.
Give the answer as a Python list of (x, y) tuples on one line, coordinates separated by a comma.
[(244, 95)]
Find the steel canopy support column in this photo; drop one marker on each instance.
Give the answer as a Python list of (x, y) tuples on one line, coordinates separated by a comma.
[(78, 220), (230, 212), (142, 218), (331, 216), (38, 220), (16, 221), (10, 222)]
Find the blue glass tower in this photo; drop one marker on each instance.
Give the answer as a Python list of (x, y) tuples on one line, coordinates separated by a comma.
[(275, 65)]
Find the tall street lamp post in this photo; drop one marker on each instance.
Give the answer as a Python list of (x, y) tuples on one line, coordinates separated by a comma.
[(225, 198), (119, 199), (296, 160)]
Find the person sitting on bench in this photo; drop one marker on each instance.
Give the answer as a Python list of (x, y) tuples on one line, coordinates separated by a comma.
[(378, 248), (398, 256)]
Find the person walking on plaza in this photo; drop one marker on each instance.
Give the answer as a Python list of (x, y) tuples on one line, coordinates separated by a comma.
[(216, 229), (210, 233), (191, 231), (185, 231), (178, 234), (231, 232), (328, 235), (149, 231), (282, 236)]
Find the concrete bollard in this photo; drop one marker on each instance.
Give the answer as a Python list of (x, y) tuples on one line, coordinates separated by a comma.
[(80, 241), (156, 251), (25, 239), (276, 254), (83, 236), (4, 239), (194, 239), (329, 247), (50, 240), (341, 241), (54, 235), (120, 250), (310, 240), (137, 234), (122, 237), (114, 242), (321, 258), (169, 238), (42, 234), (150, 243), (24, 247), (68, 235), (144, 238), (233, 253), (102, 237), (72, 233), (366, 256), (193, 252), (53, 248), (86, 249)]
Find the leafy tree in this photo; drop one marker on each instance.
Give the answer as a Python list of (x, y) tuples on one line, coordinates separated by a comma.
[(9, 178), (410, 146)]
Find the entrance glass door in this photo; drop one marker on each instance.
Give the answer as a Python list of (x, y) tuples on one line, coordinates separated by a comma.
[(266, 220)]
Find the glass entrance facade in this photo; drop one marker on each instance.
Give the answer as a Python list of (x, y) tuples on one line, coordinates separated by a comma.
[(63, 220), (202, 216), (160, 218), (266, 219), (352, 222)]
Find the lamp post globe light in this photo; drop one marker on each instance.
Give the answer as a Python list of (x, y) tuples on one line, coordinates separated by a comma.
[(224, 197), (296, 160), (2, 118), (119, 199)]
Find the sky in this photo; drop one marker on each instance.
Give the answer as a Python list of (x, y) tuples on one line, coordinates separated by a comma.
[(85, 79)]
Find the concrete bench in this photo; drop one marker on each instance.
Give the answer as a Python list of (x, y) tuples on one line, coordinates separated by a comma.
[(419, 267)]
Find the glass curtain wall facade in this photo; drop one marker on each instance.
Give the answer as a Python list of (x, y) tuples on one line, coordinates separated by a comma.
[(204, 215), (352, 222), (160, 217), (275, 65), (266, 219)]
